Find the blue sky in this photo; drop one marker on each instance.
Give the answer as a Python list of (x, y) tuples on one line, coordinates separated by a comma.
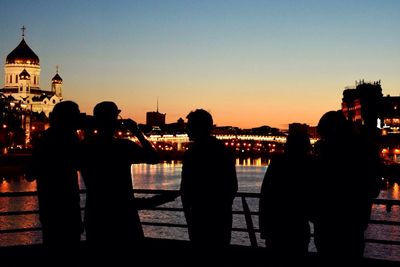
[(249, 63)]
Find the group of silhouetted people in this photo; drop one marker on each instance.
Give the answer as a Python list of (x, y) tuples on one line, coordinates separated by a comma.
[(111, 219), (330, 186)]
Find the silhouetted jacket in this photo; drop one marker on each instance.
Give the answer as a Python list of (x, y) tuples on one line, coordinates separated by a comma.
[(348, 181), (284, 204), (208, 187), (111, 215), (55, 165)]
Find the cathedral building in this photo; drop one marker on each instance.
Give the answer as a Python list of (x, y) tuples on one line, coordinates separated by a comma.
[(22, 81)]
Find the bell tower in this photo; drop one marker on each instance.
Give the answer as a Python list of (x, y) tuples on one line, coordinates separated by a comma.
[(56, 84)]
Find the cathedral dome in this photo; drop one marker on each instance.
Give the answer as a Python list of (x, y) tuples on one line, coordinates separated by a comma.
[(22, 54)]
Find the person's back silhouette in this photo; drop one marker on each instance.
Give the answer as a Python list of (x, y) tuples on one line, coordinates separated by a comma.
[(112, 223), (343, 191), (208, 185), (55, 166), (284, 203)]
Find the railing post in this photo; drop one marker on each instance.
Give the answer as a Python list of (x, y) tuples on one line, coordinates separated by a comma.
[(249, 223)]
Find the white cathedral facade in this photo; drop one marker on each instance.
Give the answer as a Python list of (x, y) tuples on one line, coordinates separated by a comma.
[(22, 81)]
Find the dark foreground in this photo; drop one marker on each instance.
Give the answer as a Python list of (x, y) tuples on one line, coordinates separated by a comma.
[(159, 252)]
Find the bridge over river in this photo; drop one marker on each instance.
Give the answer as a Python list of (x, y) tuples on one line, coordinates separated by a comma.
[(181, 139)]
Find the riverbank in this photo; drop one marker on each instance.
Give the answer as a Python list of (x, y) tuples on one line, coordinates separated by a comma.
[(15, 164)]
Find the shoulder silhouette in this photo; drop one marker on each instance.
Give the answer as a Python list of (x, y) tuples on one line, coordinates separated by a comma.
[(284, 201), (208, 186), (55, 167), (344, 190), (111, 218)]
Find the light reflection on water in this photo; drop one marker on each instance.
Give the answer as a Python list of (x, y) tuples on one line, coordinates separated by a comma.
[(167, 176)]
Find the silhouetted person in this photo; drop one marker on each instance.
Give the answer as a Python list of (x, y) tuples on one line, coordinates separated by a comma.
[(55, 166), (112, 222), (208, 185), (344, 190), (284, 202)]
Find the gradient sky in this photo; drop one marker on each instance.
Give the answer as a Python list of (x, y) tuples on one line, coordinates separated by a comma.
[(249, 63)]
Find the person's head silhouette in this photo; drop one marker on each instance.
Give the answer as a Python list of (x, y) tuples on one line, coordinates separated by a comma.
[(65, 116), (199, 125), (333, 126), (106, 116), (298, 143)]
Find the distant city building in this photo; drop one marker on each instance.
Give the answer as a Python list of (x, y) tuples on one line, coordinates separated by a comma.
[(304, 128), (298, 127), (155, 118), (180, 121), (22, 81), (178, 127), (362, 104), (365, 104), (391, 115), (225, 130), (312, 132)]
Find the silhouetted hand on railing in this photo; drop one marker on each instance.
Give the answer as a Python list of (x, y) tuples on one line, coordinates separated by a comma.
[(156, 200)]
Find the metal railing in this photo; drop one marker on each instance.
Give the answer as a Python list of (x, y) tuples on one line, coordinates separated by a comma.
[(250, 229)]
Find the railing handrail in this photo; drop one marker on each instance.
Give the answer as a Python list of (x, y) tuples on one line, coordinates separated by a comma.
[(382, 201), (247, 212)]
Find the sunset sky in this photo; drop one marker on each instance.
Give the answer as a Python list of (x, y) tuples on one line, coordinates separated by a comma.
[(249, 63)]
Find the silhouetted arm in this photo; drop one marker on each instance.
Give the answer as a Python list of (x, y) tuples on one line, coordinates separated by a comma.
[(149, 153), (156, 200)]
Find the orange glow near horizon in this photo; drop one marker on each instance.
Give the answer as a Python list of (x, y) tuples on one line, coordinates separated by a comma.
[(248, 69)]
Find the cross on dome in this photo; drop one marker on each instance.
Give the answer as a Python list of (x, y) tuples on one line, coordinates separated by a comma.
[(23, 31)]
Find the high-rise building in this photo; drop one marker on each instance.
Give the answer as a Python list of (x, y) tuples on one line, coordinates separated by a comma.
[(366, 104), (362, 105), (155, 118)]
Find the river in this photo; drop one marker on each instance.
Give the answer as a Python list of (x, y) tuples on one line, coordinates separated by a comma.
[(167, 176)]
